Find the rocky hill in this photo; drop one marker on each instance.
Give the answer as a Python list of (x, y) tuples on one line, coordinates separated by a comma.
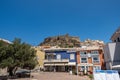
[(67, 41), (63, 41)]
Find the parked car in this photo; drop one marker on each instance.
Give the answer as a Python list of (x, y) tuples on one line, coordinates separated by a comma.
[(23, 73), (3, 76)]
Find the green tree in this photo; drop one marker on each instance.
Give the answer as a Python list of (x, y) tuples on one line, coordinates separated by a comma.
[(16, 55)]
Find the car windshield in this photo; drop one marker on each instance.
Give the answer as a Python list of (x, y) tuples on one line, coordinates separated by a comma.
[(22, 70)]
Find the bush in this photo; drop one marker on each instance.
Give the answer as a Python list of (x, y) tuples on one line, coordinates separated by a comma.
[(90, 76)]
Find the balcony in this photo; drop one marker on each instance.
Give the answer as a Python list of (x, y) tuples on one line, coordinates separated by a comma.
[(96, 61), (56, 60), (83, 55), (84, 61)]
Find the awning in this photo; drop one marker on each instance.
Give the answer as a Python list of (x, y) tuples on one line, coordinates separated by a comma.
[(116, 66), (85, 64), (56, 64), (48, 64), (71, 63)]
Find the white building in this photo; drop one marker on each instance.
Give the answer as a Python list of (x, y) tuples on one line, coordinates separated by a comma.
[(112, 52), (116, 36)]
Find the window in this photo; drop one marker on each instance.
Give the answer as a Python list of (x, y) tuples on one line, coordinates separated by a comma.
[(94, 52), (96, 60), (83, 60), (83, 54), (118, 39), (72, 56), (88, 55), (50, 56), (58, 56)]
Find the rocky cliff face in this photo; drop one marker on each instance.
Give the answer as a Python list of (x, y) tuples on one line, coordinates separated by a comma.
[(63, 41)]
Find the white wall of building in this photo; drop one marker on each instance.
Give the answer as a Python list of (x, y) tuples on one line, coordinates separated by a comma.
[(117, 54), (112, 54), (108, 54)]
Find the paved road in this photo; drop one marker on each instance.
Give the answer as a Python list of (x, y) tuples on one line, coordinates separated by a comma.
[(54, 76)]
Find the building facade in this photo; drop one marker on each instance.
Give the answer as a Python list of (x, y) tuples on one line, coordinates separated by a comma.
[(89, 59), (59, 60), (40, 55), (76, 59), (112, 52)]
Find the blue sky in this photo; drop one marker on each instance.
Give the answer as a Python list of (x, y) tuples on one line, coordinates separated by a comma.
[(34, 20)]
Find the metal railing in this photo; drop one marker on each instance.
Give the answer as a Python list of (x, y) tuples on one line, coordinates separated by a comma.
[(56, 60), (84, 61), (96, 61)]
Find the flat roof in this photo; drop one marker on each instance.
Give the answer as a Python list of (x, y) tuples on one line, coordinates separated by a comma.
[(73, 49)]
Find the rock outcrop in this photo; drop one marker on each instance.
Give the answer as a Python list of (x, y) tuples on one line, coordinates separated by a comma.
[(66, 41), (63, 41)]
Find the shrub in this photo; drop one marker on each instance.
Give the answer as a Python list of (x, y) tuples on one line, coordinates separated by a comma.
[(90, 76)]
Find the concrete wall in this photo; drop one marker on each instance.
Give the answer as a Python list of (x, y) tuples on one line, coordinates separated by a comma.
[(116, 58), (40, 57), (112, 54), (109, 51)]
